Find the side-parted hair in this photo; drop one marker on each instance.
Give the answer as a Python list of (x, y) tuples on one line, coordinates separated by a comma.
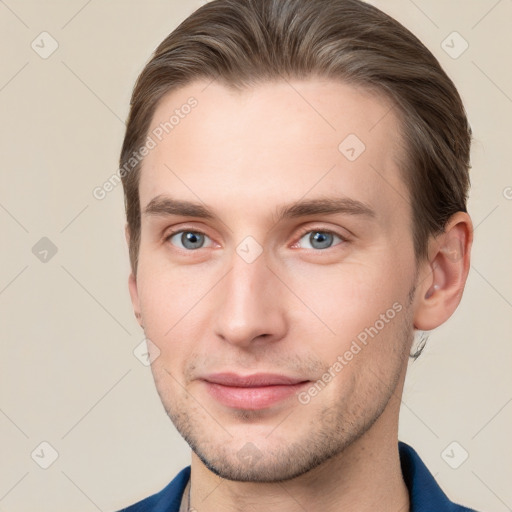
[(241, 43)]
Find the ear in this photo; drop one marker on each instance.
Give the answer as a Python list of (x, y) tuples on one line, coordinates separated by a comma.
[(443, 276), (132, 285)]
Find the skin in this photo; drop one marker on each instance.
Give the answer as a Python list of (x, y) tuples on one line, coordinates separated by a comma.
[(245, 155)]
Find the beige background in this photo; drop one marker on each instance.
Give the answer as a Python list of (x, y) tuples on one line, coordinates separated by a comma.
[(68, 373)]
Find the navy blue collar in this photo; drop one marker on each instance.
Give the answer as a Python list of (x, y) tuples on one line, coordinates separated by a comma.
[(425, 494)]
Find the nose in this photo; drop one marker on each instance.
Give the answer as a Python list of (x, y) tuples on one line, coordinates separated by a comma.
[(251, 305)]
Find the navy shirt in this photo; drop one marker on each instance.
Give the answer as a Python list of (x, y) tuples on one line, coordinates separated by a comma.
[(425, 495)]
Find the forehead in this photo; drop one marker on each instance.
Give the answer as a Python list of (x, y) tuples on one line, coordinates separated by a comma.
[(274, 143)]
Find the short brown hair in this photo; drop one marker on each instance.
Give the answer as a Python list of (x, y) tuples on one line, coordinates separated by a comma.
[(244, 42)]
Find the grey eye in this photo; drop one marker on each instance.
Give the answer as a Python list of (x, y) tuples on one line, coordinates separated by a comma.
[(189, 240), (319, 240)]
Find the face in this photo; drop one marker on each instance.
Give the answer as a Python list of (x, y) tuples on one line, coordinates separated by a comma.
[(276, 271)]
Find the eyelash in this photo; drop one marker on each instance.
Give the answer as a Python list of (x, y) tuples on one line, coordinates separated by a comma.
[(302, 232), (320, 229), (168, 236)]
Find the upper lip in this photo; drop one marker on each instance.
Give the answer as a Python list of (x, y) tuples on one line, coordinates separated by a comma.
[(254, 380)]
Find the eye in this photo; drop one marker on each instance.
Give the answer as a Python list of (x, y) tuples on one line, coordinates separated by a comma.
[(319, 240), (189, 240)]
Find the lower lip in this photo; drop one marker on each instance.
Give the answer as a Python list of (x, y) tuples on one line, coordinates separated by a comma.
[(252, 398)]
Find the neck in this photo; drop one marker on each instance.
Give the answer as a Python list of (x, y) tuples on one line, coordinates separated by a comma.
[(365, 477)]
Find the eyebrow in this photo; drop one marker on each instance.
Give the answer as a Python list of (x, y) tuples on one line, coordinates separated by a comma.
[(325, 206), (164, 205)]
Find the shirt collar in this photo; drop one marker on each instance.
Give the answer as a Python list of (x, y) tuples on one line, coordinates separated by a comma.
[(424, 492)]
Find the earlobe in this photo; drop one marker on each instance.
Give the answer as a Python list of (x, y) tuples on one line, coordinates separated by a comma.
[(444, 275)]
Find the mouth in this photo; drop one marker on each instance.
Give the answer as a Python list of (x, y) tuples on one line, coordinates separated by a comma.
[(252, 392)]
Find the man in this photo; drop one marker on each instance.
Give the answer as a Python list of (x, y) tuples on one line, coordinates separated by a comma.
[(295, 179)]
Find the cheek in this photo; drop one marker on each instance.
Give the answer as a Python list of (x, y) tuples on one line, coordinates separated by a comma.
[(169, 294), (174, 305), (349, 298)]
